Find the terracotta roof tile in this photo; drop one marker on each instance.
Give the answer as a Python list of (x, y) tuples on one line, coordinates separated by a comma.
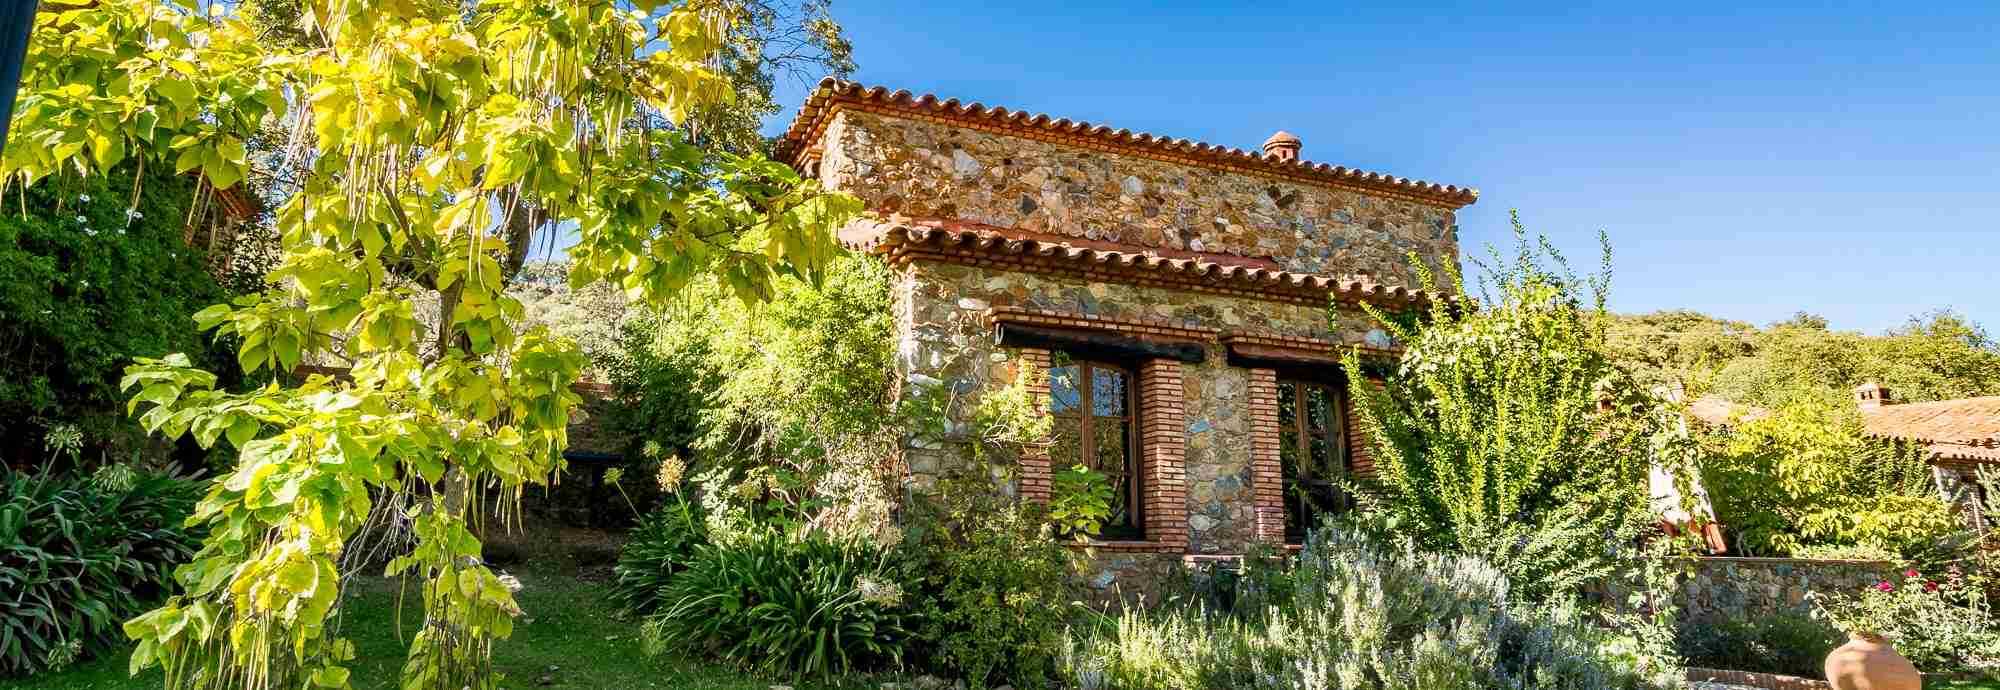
[(833, 94), (1717, 411), (1967, 427), (884, 236)]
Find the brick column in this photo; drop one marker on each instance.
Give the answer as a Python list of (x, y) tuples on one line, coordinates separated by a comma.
[(1267, 482), (1163, 451), (1035, 473), (1360, 454)]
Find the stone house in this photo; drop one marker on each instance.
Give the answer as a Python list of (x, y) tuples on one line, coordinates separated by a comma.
[(1183, 305), (1962, 436)]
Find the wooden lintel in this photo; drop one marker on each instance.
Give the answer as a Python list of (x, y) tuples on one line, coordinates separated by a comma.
[(1100, 344)]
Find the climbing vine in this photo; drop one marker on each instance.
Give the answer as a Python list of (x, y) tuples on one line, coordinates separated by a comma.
[(434, 142)]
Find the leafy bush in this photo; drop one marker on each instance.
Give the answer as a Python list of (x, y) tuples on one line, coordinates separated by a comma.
[(1261, 578), (1785, 643), (805, 606), (992, 584), (85, 288), (1808, 477), (661, 546), (78, 556), (1940, 625), (1364, 614), (792, 392), (1507, 432)]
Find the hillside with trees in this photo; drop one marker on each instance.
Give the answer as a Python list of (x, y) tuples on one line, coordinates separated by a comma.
[(1936, 355)]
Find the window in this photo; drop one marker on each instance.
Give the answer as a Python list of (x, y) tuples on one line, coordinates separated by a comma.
[(1312, 454), (1095, 426)]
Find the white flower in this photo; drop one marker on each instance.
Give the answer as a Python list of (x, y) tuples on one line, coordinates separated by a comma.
[(134, 214), (85, 198), (81, 219), (88, 231), (879, 592)]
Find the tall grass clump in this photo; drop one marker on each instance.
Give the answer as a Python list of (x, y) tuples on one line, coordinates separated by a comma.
[(1365, 612), (81, 554)]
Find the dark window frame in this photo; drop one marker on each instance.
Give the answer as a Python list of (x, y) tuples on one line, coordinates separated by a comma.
[(1298, 434), (1085, 412)]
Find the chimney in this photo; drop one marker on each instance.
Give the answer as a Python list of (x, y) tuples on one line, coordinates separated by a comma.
[(1282, 146), (1871, 394)]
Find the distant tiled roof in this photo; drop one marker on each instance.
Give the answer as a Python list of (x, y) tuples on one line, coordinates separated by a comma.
[(898, 237), (1967, 428), (834, 94), (1721, 412), (239, 203)]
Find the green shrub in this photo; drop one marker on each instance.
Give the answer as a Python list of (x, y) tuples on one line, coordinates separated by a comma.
[(78, 556), (1941, 625), (993, 584), (1263, 577), (1786, 643), (661, 546), (803, 606), (1507, 432), (1807, 479), (85, 288), (1364, 614)]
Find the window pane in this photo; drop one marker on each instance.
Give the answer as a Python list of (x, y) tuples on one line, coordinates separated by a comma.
[(1110, 436), (1288, 417), (1064, 395), (1317, 407), (1066, 443), (1107, 392)]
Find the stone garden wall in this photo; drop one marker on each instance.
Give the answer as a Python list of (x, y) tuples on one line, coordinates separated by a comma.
[(1752, 586), (934, 169), (1730, 586)]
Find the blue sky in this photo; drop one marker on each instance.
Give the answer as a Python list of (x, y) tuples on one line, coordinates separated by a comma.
[(1748, 162)]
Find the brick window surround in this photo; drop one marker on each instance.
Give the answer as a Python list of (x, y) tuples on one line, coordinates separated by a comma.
[(1036, 474), (1162, 453), (1266, 474), (1266, 477)]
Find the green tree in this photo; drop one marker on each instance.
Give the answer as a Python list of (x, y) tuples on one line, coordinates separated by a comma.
[(1807, 476), (1679, 349), (434, 127), (792, 393), (1506, 432), (1938, 355)]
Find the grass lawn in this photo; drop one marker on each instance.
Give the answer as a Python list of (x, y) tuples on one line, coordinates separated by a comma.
[(571, 639)]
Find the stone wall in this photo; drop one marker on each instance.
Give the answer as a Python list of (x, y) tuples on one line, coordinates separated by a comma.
[(1728, 586), (933, 169), (946, 342)]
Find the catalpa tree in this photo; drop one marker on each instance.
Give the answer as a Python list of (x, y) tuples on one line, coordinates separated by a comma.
[(433, 141)]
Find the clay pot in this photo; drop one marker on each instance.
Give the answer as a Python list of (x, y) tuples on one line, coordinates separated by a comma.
[(1868, 662)]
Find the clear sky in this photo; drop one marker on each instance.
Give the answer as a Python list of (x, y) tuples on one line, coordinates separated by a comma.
[(1748, 162)]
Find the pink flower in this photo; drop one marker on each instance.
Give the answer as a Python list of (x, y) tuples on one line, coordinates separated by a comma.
[(1930, 586), (1909, 573), (1884, 586)]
